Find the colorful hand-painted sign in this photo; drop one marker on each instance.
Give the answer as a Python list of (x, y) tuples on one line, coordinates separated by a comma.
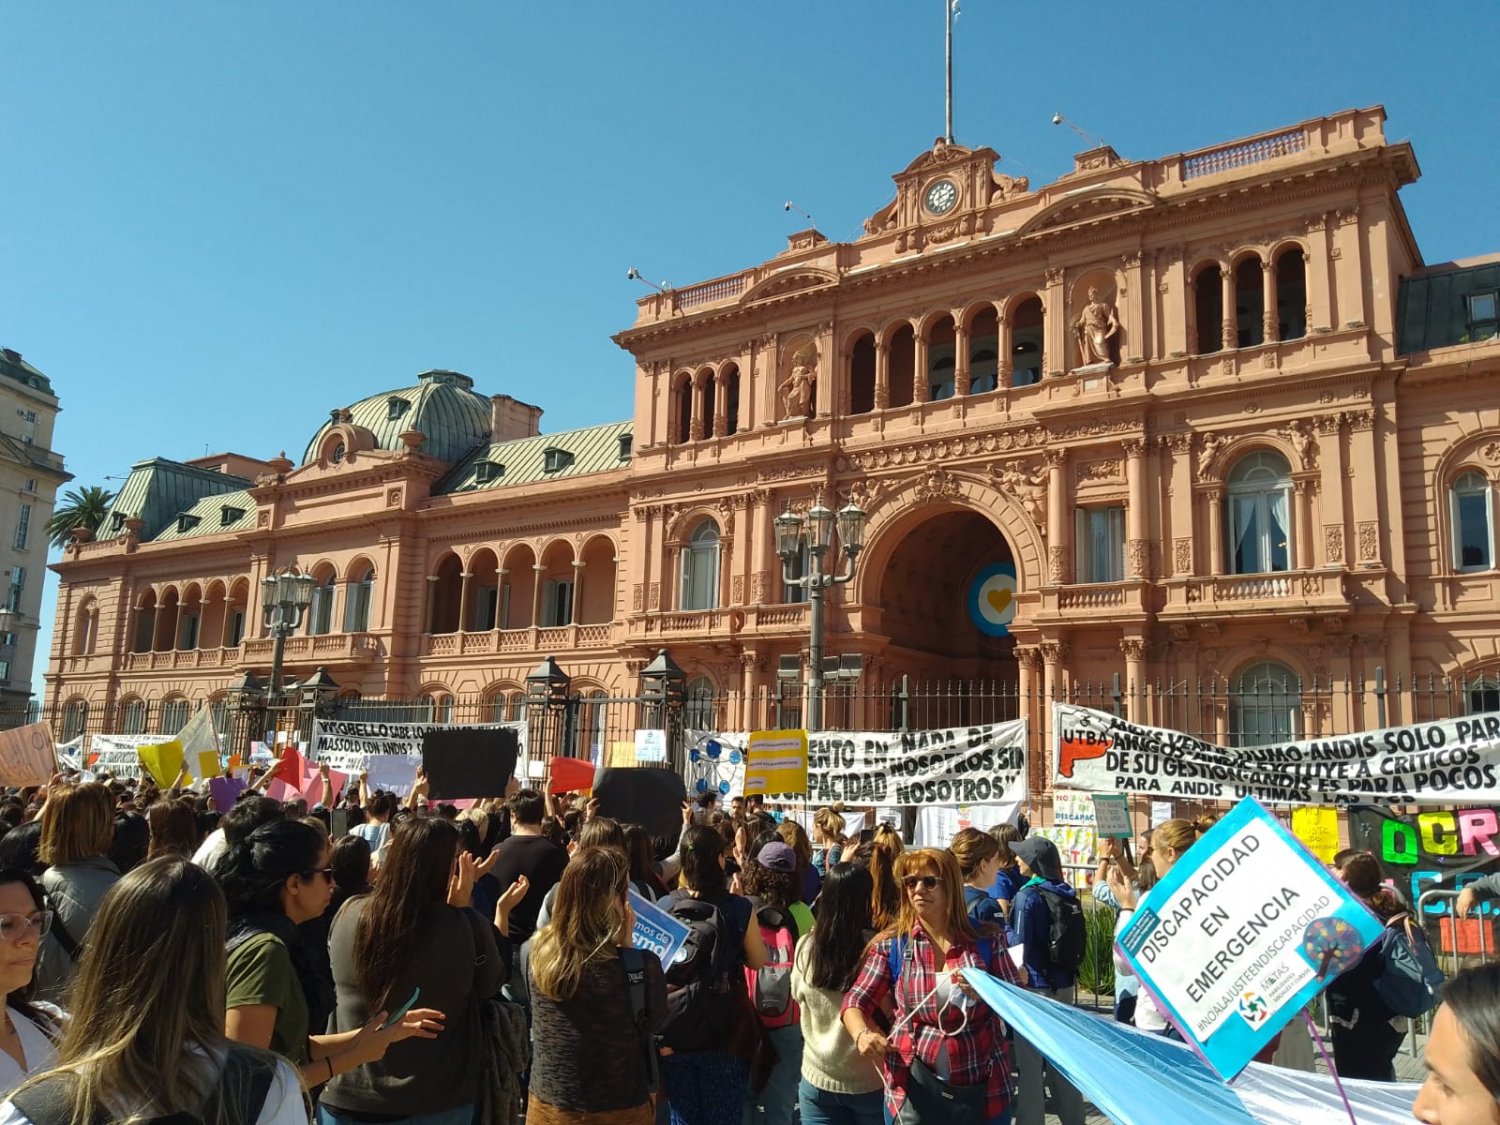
[(992, 599)]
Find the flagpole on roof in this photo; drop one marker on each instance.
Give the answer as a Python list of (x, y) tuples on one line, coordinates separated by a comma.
[(950, 9)]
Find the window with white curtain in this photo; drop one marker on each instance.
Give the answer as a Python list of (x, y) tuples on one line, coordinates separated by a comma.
[(357, 603), (320, 612), (1265, 705), (1259, 517), (1473, 527), (700, 568), (1101, 544), (792, 594)]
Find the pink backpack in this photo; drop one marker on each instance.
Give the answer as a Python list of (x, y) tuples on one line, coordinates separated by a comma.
[(770, 986)]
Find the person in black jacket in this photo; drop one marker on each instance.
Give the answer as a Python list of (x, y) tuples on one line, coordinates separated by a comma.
[(1366, 1033)]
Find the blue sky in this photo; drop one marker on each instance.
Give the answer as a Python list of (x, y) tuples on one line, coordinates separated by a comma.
[(220, 221)]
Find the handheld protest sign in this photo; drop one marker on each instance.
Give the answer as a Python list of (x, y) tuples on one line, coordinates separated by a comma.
[(656, 930), (644, 795), (570, 775), (468, 762), (1234, 940), (777, 762), (1112, 816)]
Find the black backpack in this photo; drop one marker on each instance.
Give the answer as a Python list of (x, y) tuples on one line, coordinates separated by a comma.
[(700, 980), (1409, 978), (1067, 936), (50, 1102)]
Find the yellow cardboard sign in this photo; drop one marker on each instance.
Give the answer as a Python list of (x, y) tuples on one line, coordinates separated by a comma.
[(622, 755), (776, 762), (163, 762), (1317, 826)]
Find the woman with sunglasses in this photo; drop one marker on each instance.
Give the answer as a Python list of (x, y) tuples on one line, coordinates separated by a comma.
[(275, 879), (945, 1057), (27, 1041)]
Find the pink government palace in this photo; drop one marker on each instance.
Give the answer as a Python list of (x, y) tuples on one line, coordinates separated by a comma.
[(1160, 425)]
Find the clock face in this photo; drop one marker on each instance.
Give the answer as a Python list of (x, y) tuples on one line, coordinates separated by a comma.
[(941, 197)]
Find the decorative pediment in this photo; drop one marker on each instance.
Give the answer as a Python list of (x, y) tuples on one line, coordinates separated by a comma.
[(1088, 206), (941, 155), (794, 279)]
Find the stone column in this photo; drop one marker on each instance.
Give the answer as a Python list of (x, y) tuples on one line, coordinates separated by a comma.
[(1134, 649), (1271, 321), (1214, 498), (1184, 527), (1054, 325), (919, 375), (1320, 310), (1004, 372), (577, 592), (1303, 532), (1331, 490), (500, 575), (1058, 570), (1029, 662), (536, 595), (960, 356), (1230, 338), (721, 406), (1137, 548), (882, 375), (463, 601), (1135, 332), (1364, 469), (696, 427)]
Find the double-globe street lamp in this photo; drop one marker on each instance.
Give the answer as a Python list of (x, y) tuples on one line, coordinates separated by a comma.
[(284, 599), (814, 532)]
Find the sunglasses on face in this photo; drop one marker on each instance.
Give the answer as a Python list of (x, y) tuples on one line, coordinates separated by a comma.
[(912, 882), (15, 927), (326, 872)]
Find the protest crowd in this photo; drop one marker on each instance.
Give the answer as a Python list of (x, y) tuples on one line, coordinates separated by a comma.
[(378, 958)]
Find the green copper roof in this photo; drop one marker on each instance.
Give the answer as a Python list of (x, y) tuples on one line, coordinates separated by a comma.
[(159, 490), (1435, 310), (575, 453), (213, 515), (12, 366), (442, 405)]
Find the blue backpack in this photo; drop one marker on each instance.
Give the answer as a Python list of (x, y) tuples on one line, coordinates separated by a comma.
[(898, 956), (1409, 977)]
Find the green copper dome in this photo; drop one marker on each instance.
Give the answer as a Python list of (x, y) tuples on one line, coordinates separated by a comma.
[(443, 406)]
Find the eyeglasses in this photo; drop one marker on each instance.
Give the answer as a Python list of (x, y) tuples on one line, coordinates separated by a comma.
[(326, 872), (912, 882), (16, 927)]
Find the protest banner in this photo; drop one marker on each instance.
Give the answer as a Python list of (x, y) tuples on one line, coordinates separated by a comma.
[(656, 930), (346, 744), (1444, 762), (979, 765), (117, 753), (27, 756), (1112, 816), (1317, 826), (1231, 940), (938, 824), (855, 820), (776, 762), (650, 746), (395, 773), (468, 762)]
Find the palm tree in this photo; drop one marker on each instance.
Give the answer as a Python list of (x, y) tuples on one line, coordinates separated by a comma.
[(81, 507)]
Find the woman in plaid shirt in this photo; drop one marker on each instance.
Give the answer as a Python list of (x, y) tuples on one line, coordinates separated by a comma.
[(943, 1035)]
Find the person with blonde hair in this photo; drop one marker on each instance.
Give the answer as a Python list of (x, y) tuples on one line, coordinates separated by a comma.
[(978, 856), (828, 837), (945, 1048), (146, 1037), (886, 847), (596, 1002), (78, 829)]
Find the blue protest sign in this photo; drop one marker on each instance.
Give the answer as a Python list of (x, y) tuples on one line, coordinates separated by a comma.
[(656, 930), (1231, 941)]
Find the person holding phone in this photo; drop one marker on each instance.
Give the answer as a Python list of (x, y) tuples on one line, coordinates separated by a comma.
[(416, 931)]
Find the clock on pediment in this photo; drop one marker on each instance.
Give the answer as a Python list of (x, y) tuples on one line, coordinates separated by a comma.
[(940, 197)]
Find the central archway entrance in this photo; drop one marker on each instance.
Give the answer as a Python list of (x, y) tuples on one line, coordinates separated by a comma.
[(931, 577)]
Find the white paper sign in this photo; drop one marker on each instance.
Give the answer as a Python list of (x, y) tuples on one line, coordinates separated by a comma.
[(650, 746)]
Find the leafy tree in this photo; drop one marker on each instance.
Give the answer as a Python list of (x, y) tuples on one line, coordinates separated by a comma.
[(80, 507)]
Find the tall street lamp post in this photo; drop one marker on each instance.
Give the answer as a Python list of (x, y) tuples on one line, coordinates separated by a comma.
[(284, 599), (814, 533)]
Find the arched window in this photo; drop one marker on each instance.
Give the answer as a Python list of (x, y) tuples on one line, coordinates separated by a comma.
[(1482, 695), (174, 715), (1027, 343), (1291, 294), (1265, 705), (1249, 303), (708, 390), (700, 568), (699, 711), (731, 377), (1259, 520), (320, 612), (593, 722), (357, 599), (86, 628), (75, 719), (1208, 311), (133, 716), (862, 375), (791, 592), (1473, 522), (684, 413)]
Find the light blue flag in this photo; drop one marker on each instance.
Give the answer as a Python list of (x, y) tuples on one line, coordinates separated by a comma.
[(1129, 1077)]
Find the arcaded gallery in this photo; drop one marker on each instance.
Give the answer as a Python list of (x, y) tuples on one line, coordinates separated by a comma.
[(1201, 438)]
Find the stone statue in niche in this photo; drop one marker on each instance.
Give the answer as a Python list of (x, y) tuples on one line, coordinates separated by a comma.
[(1212, 443), (1300, 435), (796, 389), (1097, 325), (1027, 489)]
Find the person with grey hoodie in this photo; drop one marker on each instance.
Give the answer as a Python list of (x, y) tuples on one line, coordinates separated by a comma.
[(1044, 891), (78, 827)]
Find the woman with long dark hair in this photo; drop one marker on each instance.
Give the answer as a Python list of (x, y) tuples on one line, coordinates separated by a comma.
[(945, 1048), (1463, 1053), (839, 1086), (596, 1002), (275, 879), (28, 1038), (416, 936), (146, 1039), (643, 878), (707, 1082)]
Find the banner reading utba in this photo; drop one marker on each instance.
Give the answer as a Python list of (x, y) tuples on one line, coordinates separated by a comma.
[(1441, 762), (980, 765)]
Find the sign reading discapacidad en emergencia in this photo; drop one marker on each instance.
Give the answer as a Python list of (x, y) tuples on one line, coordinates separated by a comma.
[(1445, 762), (1223, 941)]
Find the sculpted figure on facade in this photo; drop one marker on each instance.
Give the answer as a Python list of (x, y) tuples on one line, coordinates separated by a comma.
[(1212, 443), (1027, 488), (1097, 325), (1300, 435), (796, 389)]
